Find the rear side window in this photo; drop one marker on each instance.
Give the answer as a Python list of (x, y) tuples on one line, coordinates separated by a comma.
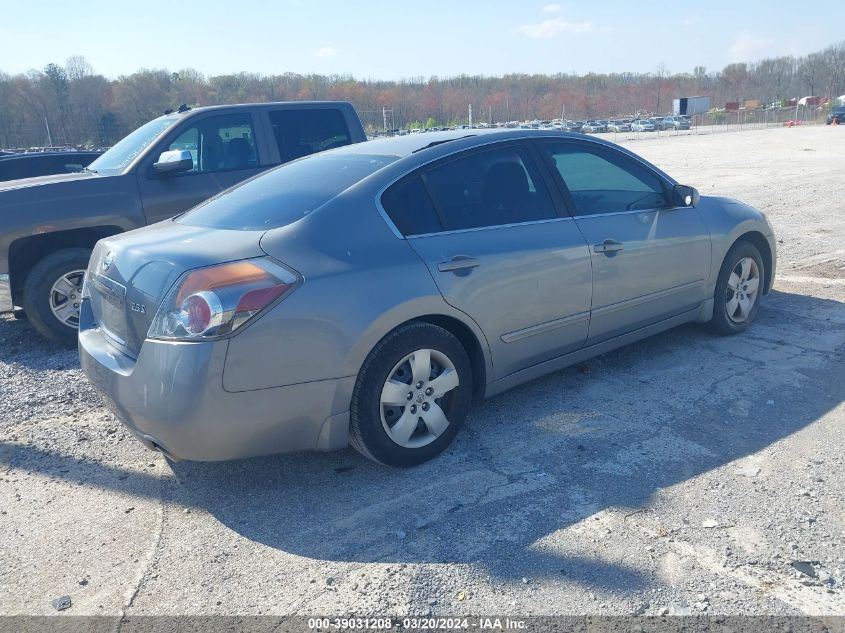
[(605, 182), (408, 205), (299, 133), (285, 194), (489, 188)]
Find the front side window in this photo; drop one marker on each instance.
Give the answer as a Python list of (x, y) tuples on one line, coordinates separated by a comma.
[(489, 188), (299, 133), (219, 143), (605, 182)]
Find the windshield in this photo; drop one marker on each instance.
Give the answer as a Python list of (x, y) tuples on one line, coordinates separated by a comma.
[(285, 194), (129, 147)]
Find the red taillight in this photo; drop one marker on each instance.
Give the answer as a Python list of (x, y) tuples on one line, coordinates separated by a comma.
[(215, 301), (256, 300)]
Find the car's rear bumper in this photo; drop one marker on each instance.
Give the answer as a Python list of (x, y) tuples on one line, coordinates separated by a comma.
[(172, 398), (6, 304)]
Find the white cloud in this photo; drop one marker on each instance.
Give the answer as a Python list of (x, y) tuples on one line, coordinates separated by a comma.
[(326, 51), (691, 20), (554, 27), (551, 8), (748, 47)]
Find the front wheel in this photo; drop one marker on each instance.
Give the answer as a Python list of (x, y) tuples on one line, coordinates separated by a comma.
[(738, 289), (412, 396), (53, 292)]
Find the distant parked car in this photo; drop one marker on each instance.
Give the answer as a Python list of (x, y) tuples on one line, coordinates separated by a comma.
[(618, 126), (676, 123), (593, 127), (642, 125), (837, 114), (368, 295), (16, 166)]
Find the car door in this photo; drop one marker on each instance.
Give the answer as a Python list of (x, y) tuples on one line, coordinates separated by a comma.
[(650, 258), (225, 152), (485, 224)]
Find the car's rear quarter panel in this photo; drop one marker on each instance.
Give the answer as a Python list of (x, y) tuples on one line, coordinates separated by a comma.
[(360, 281)]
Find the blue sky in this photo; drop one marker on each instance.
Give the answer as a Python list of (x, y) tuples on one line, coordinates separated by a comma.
[(395, 40)]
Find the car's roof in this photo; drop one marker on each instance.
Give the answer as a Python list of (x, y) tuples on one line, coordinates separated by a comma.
[(410, 152), (263, 104), (447, 142)]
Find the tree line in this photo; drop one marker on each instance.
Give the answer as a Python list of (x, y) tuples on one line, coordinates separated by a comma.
[(81, 107)]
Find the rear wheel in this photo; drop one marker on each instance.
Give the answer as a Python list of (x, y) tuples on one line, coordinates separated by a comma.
[(738, 289), (412, 396), (53, 292)]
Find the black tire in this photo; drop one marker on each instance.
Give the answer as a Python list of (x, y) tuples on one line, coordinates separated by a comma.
[(366, 431), (721, 322), (37, 293)]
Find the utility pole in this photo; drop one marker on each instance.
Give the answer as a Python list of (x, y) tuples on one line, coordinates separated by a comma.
[(470, 115), (384, 117), (49, 138)]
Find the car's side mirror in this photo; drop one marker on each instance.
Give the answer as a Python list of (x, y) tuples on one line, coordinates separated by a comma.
[(174, 161), (686, 196)]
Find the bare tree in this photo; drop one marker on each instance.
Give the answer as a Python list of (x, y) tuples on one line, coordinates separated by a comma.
[(660, 74), (85, 107)]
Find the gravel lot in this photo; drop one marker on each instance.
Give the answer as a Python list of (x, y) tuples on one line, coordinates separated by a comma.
[(685, 474)]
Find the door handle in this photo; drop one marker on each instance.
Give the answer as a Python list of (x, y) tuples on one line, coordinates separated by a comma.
[(458, 262), (609, 247)]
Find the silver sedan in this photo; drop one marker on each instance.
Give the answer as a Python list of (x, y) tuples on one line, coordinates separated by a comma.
[(368, 295)]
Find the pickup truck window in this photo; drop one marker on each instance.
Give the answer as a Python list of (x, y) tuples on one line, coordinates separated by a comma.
[(130, 147), (284, 194), (219, 143), (299, 133)]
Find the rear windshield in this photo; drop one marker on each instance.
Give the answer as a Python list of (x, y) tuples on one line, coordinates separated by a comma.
[(285, 194)]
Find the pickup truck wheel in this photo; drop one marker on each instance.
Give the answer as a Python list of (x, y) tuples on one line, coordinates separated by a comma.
[(53, 292)]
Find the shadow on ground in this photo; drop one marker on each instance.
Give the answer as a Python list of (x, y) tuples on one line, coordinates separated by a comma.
[(530, 462)]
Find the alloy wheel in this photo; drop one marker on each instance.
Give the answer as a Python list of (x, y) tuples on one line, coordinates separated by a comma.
[(65, 297), (742, 290), (414, 396)]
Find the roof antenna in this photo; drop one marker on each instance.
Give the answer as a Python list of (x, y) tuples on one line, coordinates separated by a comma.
[(183, 108)]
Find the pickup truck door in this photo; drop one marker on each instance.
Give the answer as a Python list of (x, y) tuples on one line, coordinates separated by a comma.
[(225, 149)]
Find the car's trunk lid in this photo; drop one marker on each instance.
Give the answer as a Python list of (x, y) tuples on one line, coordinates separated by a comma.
[(130, 274)]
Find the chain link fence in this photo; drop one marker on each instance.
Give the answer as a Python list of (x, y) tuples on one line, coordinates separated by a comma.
[(726, 121)]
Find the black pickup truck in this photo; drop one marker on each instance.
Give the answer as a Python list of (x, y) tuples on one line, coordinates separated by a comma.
[(49, 224)]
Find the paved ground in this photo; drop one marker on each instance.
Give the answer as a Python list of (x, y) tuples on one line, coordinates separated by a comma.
[(686, 473)]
